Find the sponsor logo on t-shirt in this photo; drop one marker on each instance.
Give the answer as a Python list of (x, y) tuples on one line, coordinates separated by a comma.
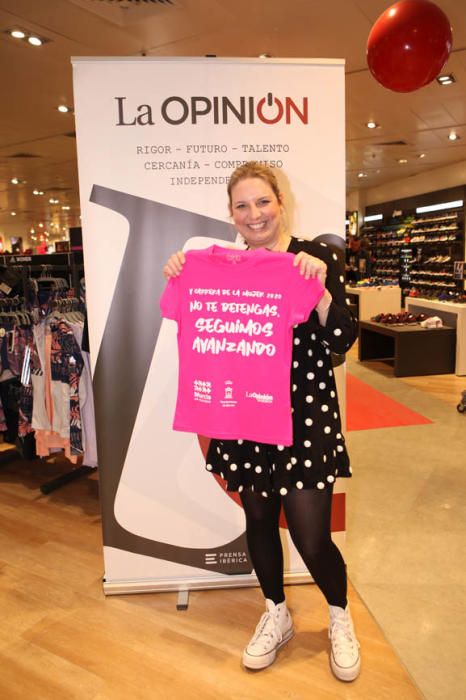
[(261, 398), (202, 391), (228, 399)]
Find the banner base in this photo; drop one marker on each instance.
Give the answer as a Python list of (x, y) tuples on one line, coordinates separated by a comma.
[(242, 581)]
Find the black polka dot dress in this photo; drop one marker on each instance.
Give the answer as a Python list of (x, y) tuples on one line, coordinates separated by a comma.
[(318, 454)]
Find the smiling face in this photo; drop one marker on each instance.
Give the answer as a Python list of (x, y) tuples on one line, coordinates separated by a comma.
[(256, 212)]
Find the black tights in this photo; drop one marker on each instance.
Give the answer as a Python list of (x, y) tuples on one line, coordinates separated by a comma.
[(308, 516)]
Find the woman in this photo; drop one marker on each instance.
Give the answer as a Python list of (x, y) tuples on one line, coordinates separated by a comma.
[(299, 477)]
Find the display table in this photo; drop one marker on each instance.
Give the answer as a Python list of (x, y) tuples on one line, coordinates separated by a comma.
[(453, 315), (375, 300), (417, 351)]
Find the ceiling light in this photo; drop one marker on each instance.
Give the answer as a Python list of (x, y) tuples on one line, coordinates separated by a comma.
[(438, 207), (373, 217), (63, 108), (446, 79), (33, 230), (422, 155), (453, 136), (14, 181), (402, 161), (371, 124), (13, 213), (362, 174), (41, 225), (265, 55), (26, 36), (66, 208)]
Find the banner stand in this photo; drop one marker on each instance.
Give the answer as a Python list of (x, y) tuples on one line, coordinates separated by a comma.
[(241, 581), (157, 139)]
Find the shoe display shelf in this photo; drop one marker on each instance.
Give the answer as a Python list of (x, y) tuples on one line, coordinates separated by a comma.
[(452, 314), (386, 242), (415, 350), (438, 240)]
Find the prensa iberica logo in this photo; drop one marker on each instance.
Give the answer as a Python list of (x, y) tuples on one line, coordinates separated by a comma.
[(225, 558)]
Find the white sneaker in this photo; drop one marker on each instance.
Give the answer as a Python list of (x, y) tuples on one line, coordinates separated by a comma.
[(275, 629), (345, 659)]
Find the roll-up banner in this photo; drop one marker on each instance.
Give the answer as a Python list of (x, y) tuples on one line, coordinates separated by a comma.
[(157, 141)]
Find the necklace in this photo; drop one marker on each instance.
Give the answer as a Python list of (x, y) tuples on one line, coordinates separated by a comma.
[(281, 245)]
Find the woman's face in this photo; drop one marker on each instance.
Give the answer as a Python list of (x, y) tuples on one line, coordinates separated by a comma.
[(256, 212)]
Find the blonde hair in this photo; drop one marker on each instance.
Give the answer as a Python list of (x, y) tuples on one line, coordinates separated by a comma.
[(253, 169)]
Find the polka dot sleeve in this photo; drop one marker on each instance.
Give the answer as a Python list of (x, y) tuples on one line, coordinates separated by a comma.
[(341, 328)]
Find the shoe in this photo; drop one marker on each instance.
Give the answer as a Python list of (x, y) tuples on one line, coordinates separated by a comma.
[(274, 630), (345, 659)]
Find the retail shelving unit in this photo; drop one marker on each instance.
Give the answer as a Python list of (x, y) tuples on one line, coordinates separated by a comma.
[(453, 315), (71, 267), (416, 351), (419, 250), (386, 242)]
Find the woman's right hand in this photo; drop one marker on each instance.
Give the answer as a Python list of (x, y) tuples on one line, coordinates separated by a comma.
[(174, 265)]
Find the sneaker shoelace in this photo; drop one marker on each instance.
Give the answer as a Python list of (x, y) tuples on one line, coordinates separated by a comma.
[(268, 628), (343, 636)]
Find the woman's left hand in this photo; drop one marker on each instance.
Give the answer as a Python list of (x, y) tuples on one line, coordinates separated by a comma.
[(309, 266)]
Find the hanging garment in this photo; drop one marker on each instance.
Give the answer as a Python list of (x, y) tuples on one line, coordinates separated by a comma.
[(25, 403), (66, 365), (56, 366), (86, 401), (235, 311), (12, 347)]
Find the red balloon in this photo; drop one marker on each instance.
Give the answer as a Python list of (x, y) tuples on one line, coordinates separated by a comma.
[(408, 45)]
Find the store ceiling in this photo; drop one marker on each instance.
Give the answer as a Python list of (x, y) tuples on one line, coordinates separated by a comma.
[(37, 142)]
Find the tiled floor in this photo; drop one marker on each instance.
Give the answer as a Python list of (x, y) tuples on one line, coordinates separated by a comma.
[(407, 534)]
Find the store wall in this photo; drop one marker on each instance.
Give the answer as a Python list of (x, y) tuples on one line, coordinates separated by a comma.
[(16, 228), (429, 181)]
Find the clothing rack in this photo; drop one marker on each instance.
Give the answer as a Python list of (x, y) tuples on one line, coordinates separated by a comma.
[(13, 455), (72, 266), (66, 478)]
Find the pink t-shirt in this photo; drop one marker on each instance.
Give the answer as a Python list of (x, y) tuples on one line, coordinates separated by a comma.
[(235, 311)]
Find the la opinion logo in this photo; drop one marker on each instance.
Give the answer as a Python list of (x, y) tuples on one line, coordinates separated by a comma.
[(177, 110)]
